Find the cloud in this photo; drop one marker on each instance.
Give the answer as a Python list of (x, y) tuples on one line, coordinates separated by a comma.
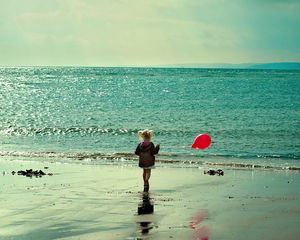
[(126, 32)]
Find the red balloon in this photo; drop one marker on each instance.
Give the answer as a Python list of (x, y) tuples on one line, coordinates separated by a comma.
[(202, 141)]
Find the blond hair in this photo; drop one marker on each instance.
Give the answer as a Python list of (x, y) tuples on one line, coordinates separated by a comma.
[(145, 134)]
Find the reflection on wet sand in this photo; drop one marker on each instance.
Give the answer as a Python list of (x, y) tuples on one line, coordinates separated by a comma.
[(145, 207)]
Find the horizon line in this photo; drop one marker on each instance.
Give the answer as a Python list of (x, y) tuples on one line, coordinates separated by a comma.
[(171, 65)]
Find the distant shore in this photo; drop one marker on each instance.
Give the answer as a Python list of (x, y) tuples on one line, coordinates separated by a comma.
[(266, 66)]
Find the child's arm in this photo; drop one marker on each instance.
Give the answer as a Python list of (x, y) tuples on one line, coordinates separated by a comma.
[(155, 149), (137, 150)]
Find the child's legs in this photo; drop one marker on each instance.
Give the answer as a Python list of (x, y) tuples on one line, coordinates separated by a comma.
[(146, 176)]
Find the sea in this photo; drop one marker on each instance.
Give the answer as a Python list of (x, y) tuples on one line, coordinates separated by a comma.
[(91, 115)]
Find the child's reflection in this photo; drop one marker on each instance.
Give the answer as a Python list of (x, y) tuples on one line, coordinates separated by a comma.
[(145, 207)]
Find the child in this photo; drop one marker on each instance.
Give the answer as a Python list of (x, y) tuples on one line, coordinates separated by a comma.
[(146, 151)]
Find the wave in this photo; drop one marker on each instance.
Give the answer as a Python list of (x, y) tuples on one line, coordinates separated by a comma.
[(252, 166), (85, 131), (259, 156), (179, 156), (173, 160), (30, 131), (95, 130)]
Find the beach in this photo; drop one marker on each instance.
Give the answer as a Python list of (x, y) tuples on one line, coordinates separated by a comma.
[(84, 201)]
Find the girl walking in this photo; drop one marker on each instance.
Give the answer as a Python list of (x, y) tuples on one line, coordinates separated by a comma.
[(146, 151)]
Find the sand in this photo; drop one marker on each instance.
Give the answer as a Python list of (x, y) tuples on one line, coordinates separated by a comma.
[(82, 201)]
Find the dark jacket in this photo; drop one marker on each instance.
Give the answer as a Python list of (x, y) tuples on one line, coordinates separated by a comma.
[(146, 151)]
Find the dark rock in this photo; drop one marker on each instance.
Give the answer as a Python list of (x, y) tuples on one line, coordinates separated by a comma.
[(42, 173), (21, 172), (220, 172), (30, 173), (212, 172)]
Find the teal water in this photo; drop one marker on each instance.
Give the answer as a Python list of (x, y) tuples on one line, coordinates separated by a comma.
[(95, 113)]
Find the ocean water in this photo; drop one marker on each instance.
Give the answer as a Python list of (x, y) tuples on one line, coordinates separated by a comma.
[(93, 114)]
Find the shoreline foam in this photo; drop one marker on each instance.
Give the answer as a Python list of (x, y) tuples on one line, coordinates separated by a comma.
[(166, 160)]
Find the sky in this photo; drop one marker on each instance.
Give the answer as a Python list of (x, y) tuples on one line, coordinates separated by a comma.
[(148, 32)]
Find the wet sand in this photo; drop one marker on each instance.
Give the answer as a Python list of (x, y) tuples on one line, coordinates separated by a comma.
[(107, 202)]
